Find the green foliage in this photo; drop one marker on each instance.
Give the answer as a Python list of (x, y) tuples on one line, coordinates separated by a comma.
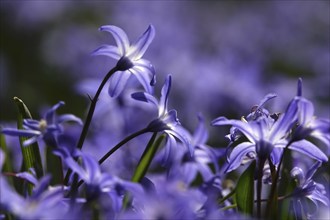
[(245, 190)]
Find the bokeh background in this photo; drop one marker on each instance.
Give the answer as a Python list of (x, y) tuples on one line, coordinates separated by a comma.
[(224, 56)]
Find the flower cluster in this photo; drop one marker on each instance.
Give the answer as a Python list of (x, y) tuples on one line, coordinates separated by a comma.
[(182, 178)]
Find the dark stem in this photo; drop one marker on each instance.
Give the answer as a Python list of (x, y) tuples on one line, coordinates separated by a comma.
[(124, 141), (115, 148), (90, 116), (259, 186), (274, 183), (92, 108)]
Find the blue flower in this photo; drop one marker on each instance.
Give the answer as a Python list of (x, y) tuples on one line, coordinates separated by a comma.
[(166, 121), (308, 124), (267, 137), (44, 203), (45, 129), (307, 188), (129, 57), (96, 182)]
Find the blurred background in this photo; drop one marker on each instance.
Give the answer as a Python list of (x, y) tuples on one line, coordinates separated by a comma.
[(224, 56)]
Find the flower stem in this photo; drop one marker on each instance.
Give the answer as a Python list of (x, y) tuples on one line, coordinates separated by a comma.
[(124, 141), (115, 148), (274, 183), (92, 108), (90, 116), (259, 187)]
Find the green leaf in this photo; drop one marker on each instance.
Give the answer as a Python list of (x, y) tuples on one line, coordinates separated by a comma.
[(147, 157), (54, 167), (245, 190), (31, 153)]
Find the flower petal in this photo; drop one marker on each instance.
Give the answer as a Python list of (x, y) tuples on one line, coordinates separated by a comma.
[(143, 78), (107, 50), (120, 37), (285, 122), (69, 117), (142, 44), (117, 82), (145, 97), (164, 96), (50, 114), (20, 133), (148, 67), (242, 126), (309, 149), (236, 156), (201, 134), (306, 111)]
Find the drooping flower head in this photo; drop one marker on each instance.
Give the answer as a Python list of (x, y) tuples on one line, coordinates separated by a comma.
[(166, 121), (129, 59), (46, 128)]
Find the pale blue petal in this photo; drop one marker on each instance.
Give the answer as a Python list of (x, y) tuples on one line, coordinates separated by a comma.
[(141, 45), (266, 99), (27, 176), (69, 117), (143, 78), (170, 145), (73, 165), (120, 37), (201, 135), (180, 133), (50, 114), (310, 173), (306, 111), (92, 169), (236, 156), (148, 67), (145, 97), (309, 149), (118, 82), (31, 140), (285, 122), (244, 127), (164, 96), (20, 133), (108, 50)]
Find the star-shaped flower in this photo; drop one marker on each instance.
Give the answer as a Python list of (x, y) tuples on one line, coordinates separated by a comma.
[(167, 121), (46, 128), (129, 57)]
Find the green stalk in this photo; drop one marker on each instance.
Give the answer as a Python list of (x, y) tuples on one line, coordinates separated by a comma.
[(259, 187), (54, 167), (147, 157), (145, 161), (274, 184), (115, 148), (31, 153)]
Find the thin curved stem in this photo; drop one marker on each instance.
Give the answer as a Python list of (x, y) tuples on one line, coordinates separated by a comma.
[(92, 108), (124, 141), (115, 148), (274, 184), (90, 116)]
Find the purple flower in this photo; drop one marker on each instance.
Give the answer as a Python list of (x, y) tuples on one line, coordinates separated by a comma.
[(308, 124), (167, 121), (98, 183), (46, 128), (266, 136), (44, 203), (307, 188), (129, 57)]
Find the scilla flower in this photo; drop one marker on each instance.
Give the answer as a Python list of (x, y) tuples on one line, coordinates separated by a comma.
[(167, 121), (46, 128), (267, 137), (129, 57), (307, 189)]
